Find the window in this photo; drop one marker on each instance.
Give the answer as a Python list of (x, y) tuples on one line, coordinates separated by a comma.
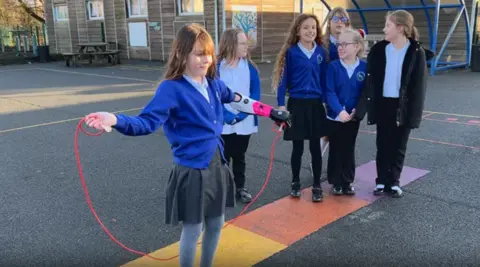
[(95, 9), (60, 12), (190, 7), (137, 8)]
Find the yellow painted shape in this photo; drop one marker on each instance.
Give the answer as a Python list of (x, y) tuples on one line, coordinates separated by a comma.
[(237, 247)]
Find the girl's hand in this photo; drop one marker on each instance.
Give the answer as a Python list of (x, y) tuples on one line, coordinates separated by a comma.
[(344, 116), (101, 120), (282, 108), (352, 115)]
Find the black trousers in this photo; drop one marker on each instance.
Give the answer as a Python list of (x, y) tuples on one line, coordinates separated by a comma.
[(235, 148), (391, 143), (341, 155), (296, 160)]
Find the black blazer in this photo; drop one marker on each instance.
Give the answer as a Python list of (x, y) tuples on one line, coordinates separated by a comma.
[(412, 89)]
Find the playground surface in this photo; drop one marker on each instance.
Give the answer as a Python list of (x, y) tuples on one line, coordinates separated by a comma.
[(46, 220)]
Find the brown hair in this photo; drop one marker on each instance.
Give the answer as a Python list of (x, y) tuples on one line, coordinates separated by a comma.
[(184, 44), (356, 38), (291, 39), (228, 46), (338, 10), (405, 19)]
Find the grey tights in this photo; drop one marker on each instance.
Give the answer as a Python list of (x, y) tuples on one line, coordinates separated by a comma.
[(189, 239)]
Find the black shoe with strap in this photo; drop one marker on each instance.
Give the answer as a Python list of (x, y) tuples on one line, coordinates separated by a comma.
[(336, 190), (348, 190), (295, 189), (243, 195), (317, 194)]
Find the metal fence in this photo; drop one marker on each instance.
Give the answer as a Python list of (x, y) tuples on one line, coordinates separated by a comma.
[(23, 40)]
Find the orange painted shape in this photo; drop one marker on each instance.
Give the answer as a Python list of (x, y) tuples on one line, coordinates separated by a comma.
[(288, 220)]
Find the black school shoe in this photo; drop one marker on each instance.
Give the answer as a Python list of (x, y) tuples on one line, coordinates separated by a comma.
[(295, 189), (380, 190), (317, 194), (336, 190), (348, 190), (396, 191), (243, 195)]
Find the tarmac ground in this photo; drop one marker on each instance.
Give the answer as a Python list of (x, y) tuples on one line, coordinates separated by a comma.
[(46, 220)]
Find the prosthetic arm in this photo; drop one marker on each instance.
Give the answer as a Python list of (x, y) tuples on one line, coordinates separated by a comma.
[(254, 107)]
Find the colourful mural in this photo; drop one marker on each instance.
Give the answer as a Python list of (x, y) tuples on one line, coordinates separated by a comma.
[(245, 18)]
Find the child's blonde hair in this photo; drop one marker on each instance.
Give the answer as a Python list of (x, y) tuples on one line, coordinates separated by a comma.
[(228, 46), (184, 44), (356, 38), (405, 19), (335, 11), (292, 39)]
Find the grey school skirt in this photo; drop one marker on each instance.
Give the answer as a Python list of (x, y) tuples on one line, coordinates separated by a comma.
[(194, 194)]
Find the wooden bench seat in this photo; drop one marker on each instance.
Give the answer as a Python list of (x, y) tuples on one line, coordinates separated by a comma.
[(113, 57), (71, 58)]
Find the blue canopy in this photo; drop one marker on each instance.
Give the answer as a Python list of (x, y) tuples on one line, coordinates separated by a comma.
[(386, 5)]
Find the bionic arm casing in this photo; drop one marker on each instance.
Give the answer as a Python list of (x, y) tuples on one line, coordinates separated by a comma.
[(254, 107)]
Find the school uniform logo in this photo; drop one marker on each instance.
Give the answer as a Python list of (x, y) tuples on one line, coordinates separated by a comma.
[(361, 76), (319, 59)]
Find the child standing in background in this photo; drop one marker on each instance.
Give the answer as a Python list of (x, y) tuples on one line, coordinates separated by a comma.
[(345, 84), (300, 70), (337, 21), (397, 73), (240, 74)]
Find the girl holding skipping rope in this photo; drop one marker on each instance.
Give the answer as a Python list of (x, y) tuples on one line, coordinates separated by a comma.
[(188, 104), (300, 71), (345, 82), (240, 74)]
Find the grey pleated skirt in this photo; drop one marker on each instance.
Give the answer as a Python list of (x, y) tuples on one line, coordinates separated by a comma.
[(193, 194)]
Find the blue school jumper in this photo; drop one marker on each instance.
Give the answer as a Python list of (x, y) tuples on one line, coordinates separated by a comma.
[(255, 91), (342, 91), (332, 49), (192, 124), (303, 77)]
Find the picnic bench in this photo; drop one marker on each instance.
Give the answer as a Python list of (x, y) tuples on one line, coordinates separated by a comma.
[(91, 51), (71, 58)]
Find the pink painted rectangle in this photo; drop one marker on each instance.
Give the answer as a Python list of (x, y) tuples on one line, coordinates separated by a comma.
[(474, 121), (452, 119)]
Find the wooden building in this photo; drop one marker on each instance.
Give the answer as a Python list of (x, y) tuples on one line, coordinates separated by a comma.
[(145, 29)]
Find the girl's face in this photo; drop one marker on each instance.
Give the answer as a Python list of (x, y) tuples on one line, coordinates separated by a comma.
[(338, 23), (198, 61), (308, 31), (242, 45), (347, 48), (391, 30)]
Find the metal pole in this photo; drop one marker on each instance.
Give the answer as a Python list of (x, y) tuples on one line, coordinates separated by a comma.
[(435, 35), (472, 27)]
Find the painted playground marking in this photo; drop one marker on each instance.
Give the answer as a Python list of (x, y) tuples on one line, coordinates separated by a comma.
[(56, 122), (267, 230), (98, 75)]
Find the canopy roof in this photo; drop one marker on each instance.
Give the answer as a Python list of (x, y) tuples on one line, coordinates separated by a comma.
[(363, 7)]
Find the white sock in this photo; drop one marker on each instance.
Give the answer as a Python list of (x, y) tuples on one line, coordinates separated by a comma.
[(397, 188), (380, 186)]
